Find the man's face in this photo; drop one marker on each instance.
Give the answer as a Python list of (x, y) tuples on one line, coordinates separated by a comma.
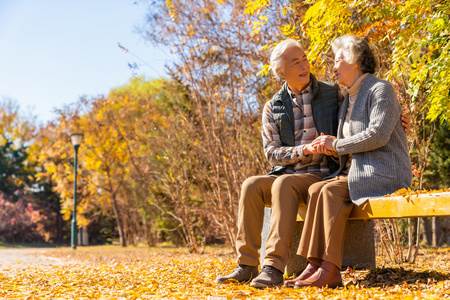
[(296, 68)]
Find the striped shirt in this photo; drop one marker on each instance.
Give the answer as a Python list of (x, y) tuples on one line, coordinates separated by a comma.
[(304, 132)]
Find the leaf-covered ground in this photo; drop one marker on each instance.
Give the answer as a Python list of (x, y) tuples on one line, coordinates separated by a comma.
[(114, 272)]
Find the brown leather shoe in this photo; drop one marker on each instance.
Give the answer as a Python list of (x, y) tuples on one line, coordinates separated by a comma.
[(327, 275), (241, 274), (307, 272), (269, 277)]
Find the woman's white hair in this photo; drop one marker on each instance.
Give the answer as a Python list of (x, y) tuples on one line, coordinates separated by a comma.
[(276, 57), (355, 50), (344, 46)]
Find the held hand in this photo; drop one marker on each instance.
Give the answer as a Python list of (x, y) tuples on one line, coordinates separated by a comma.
[(328, 143), (317, 144), (309, 149), (324, 144), (331, 153)]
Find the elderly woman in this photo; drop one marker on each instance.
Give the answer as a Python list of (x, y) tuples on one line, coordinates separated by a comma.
[(374, 161)]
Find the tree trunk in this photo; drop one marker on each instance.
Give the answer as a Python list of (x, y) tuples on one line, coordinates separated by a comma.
[(118, 215), (416, 248), (433, 232), (59, 224), (410, 239)]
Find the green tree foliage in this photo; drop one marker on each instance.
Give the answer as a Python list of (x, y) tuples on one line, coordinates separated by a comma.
[(13, 174), (437, 175)]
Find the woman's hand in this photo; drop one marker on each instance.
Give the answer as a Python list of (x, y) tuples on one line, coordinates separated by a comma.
[(309, 149), (324, 144)]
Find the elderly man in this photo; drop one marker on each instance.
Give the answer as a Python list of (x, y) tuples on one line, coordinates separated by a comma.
[(297, 114)]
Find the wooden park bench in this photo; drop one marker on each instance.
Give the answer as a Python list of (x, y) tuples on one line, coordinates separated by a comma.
[(389, 207), (359, 244)]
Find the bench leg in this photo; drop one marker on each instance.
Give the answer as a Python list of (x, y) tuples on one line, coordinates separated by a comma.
[(359, 247)]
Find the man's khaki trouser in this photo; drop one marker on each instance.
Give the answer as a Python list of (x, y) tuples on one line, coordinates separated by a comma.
[(284, 194), (328, 210)]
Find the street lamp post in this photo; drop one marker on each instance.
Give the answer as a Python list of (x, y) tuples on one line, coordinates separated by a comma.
[(76, 141)]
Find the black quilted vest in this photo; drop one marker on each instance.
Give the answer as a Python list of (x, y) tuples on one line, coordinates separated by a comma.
[(324, 109)]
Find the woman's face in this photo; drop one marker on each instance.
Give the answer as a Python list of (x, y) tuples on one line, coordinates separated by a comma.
[(346, 74)]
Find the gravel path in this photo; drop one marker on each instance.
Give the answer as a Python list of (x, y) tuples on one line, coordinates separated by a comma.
[(14, 259)]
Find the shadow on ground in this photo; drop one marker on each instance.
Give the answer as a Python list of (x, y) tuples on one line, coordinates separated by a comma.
[(382, 277)]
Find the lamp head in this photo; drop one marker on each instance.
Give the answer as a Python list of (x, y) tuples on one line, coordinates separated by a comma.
[(76, 139)]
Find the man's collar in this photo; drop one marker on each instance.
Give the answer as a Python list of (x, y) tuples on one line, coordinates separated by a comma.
[(305, 90)]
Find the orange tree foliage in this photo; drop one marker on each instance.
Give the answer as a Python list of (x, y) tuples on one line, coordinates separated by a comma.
[(124, 164)]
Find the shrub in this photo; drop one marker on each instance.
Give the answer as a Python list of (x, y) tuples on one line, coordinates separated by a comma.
[(20, 222)]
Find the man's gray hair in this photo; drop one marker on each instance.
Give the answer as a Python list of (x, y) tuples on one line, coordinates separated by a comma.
[(355, 50), (276, 57)]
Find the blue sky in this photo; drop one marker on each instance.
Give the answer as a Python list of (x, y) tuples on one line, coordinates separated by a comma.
[(53, 52)]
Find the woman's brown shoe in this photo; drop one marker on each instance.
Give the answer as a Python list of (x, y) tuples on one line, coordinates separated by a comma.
[(321, 278), (307, 272)]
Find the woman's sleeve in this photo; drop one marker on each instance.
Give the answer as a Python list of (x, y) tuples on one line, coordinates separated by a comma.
[(383, 117)]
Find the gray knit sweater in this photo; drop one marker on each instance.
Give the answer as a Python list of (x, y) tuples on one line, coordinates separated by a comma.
[(380, 160)]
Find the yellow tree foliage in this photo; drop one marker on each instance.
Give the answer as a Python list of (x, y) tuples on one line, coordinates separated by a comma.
[(13, 125), (412, 40), (106, 155)]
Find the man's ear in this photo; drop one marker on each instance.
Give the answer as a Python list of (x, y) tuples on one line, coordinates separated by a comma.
[(279, 73)]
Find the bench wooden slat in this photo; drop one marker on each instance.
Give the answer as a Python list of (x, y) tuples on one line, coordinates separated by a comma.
[(421, 205)]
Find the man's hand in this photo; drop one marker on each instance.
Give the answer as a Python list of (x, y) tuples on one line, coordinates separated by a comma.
[(309, 149), (324, 144)]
